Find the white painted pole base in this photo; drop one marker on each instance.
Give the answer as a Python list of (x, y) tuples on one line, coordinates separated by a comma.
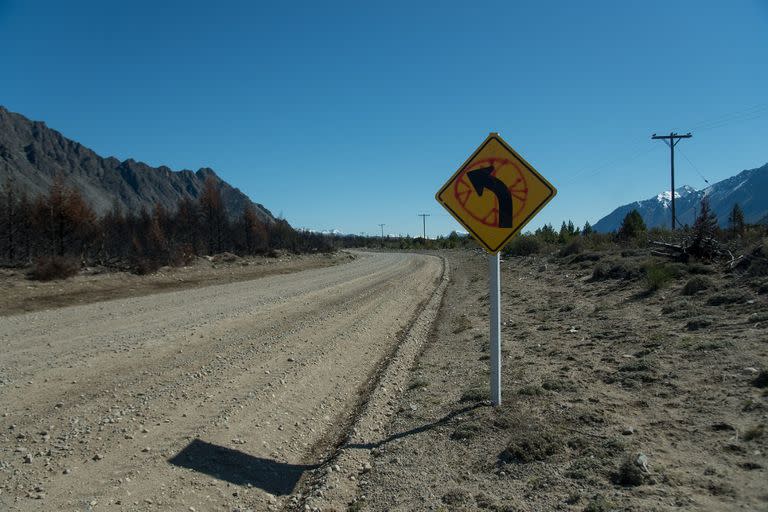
[(495, 320)]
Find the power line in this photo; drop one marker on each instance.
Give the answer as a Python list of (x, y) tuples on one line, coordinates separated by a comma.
[(695, 167), (609, 164), (672, 140), (382, 229), (753, 112)]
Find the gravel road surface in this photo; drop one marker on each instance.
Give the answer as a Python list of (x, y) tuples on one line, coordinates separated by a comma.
[(216, 398)]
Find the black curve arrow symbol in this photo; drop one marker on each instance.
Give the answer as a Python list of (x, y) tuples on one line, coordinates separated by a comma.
[(482, 179)]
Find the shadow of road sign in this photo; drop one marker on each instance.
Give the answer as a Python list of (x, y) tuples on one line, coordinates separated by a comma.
[(239, 468), (414, 431)]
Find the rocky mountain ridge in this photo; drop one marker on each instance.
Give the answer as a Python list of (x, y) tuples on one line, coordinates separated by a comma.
[(33, 155), (748, 188)]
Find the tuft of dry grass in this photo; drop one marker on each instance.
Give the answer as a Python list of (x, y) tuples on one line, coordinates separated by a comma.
[(695, 285), (532, 443)]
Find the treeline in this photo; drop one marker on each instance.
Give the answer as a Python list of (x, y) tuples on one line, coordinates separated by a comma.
[(61, 229), (633, 231), (404, 243)]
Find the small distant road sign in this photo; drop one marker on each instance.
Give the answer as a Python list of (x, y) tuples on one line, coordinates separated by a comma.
[(495, 193)]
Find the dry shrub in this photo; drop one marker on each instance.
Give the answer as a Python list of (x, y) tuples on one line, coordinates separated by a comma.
[(755, 261), (696, 285), (599, 503), (225, 257), (620, 270), (728, 297), (474, 394), (753, 433), (586, 257), (144, 266), (53, 267), (183, 256), (532, 443), (523, 246), (575, 246), (466, 431)]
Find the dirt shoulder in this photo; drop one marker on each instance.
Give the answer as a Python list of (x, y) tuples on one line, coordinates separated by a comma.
[(19, 294), (615, 397)]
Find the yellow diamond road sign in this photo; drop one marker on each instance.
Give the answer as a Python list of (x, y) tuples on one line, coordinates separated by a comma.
[(495, 193)]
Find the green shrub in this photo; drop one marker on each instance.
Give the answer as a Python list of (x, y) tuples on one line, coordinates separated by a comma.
[(629, 474), (632, 226), (657, 276)]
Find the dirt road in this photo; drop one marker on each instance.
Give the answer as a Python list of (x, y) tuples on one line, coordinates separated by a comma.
[(214, 398)]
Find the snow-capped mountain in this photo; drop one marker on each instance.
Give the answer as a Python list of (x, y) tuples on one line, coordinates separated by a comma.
[(748, 188), (333, 232)]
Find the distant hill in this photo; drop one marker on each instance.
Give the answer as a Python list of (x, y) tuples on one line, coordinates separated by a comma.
[(748, 188), (32, 155)]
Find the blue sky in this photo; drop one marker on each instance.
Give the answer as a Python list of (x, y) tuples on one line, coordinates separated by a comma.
[(346, 115)]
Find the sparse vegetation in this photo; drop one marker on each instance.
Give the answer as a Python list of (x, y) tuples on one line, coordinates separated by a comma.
[(456, 497), (599, 503), (461, 324), (698, 323), (530, 390), (616, 269), (475, 394), (466, 430), (629, 474), (657, 276), (532, 443), (761, 381), (696, 285), (418, 382), (49, 268), (728, 297), (754, 432), (558, 384), (523, 245), (575, 246)]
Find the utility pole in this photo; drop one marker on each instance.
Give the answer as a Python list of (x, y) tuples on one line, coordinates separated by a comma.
[(671, 140), (424, 223), (382, 229)]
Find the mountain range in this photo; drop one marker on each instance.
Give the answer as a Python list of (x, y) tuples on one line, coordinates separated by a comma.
[(748, 188), (33, 155)]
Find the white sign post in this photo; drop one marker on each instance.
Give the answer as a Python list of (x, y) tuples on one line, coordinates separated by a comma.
[(495, 321)]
